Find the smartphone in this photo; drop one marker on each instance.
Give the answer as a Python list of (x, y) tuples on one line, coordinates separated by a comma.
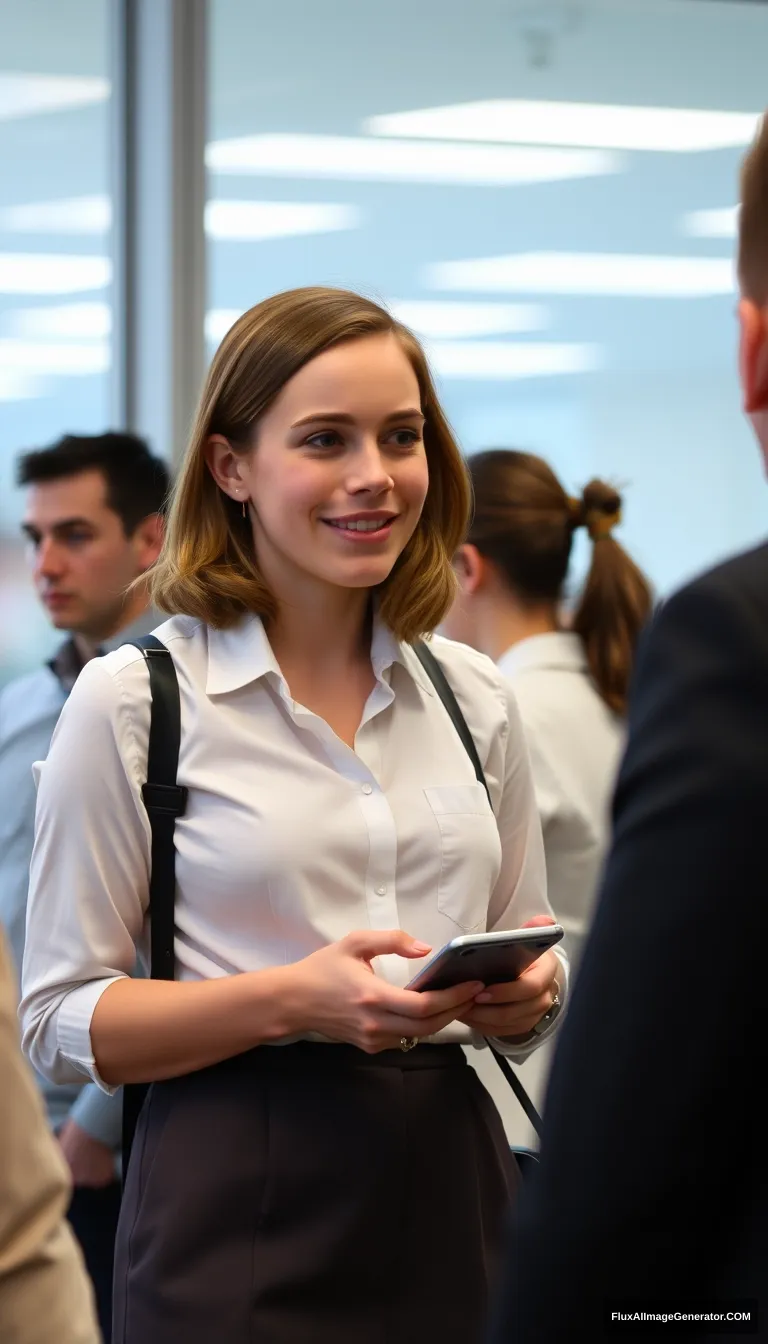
[(492, 958)]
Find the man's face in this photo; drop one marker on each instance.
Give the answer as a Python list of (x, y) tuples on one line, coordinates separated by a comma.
[(82, 561), (753, 368)]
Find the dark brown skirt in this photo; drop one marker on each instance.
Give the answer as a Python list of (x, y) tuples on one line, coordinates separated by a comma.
[(312, 1194)]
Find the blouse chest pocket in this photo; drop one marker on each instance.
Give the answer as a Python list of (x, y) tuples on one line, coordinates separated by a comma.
[(470, 853)]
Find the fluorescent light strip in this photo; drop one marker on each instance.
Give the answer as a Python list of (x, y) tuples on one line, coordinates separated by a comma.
[(246, 221), (18, 386), (52, 273), (492, 360), (254, 221), (60, 322), (588, 273), (712, 223), (429, 318), (360, 159), (60, 357), (25, 95), (78, 214), (449, 320), (599, 125)]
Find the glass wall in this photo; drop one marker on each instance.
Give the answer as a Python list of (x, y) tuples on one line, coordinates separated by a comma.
[(55, 308), (545, 193)]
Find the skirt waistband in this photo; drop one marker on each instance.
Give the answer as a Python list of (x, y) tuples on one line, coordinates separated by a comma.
[(311, 1056)]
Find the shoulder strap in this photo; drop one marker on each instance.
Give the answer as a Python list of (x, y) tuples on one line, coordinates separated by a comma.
[(444, 690), (441, 684), (165, 800)]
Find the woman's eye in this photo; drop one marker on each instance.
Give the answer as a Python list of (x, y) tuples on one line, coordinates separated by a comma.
[(327, 439), (405, 438)]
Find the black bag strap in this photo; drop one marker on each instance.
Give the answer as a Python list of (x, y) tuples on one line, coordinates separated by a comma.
[(165, 800), (444, 690)]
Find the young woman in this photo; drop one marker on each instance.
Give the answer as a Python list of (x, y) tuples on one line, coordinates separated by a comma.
[(300, 1173), (570, 685)]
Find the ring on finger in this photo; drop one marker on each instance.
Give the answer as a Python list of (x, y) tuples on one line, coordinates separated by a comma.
[(408, 1042)]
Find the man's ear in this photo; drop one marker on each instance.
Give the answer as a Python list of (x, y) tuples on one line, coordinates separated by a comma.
[(470, 568), (148, 539), (753, 356)]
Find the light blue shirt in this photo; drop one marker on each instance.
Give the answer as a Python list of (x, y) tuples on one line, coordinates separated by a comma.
[(29, 711)]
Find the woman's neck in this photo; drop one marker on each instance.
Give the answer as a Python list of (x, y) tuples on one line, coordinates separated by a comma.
[(511, 624), (329, 635)]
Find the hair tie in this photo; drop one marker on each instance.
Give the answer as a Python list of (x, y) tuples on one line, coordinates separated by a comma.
[(600, 525), (575, 511)]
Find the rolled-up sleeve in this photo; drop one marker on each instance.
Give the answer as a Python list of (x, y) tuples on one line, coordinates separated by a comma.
[(521, 890), (89, 876)]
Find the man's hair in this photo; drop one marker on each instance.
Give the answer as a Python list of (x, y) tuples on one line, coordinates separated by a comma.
[(137, 482), (753, 219)]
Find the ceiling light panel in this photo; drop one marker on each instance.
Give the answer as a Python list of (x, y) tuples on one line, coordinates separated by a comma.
[(255, 221), (52, 273), (77, 215), (588, 273), (445, 319), (492, 360), (59, 322), (712, 223), (595, 125), (26, 95), (370, 160)]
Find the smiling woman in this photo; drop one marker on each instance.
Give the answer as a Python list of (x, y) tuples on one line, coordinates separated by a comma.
[(277, 410), (334, 834)]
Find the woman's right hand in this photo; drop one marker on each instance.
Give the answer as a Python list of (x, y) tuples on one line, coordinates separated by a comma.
[(336, 993)]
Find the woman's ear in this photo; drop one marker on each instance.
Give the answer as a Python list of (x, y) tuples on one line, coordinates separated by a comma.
[(470, 568), (226, 466)]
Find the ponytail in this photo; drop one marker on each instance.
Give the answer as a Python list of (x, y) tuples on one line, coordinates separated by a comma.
[(524, 523), (616, 600)]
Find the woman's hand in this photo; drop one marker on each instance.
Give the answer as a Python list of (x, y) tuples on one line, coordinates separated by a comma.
[(336, 993), (513, 1009)]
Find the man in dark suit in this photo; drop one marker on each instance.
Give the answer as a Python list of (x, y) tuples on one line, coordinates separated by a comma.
[(652, 1193)]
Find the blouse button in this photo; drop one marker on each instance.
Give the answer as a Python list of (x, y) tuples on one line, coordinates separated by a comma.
[(381, 891), (367, 788)]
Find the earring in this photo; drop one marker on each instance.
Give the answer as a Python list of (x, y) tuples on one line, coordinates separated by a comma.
[(245, 511)]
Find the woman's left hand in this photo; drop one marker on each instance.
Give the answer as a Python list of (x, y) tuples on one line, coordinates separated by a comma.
[(513, 1009)]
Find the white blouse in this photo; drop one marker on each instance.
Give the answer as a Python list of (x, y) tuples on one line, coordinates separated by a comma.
[(290, 838), (575, 743)]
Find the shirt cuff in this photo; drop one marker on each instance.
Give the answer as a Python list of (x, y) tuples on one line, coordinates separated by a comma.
[(520, 1050), (73, 1028), (99, 1115)]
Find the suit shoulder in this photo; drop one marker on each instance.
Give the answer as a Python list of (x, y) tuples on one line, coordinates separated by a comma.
[(743, 579)]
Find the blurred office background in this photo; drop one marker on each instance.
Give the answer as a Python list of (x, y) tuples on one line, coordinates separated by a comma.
[(543, 190)]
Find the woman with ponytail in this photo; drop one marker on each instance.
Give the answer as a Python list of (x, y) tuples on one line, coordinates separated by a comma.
[(571, 684)]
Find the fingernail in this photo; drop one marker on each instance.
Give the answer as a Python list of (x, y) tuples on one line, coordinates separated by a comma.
[(483, 998), (421, 947)]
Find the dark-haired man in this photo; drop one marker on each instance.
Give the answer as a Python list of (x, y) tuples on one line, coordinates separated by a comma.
[(652, 1195), (93, 523)]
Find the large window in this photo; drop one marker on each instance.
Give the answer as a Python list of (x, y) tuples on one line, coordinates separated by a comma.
[(55, 310), (545, 193)]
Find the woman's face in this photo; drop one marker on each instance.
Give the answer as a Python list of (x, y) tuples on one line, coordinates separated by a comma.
[(338, 475)]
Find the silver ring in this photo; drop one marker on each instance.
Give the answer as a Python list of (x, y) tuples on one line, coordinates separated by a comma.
[(408, 1042)]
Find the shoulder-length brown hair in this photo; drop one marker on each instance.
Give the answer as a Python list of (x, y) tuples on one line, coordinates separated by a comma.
[(208, 567)]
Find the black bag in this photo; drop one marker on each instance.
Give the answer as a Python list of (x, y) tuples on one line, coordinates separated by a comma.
[(165, 800)]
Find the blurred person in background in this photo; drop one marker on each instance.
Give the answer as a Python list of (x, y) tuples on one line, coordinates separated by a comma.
[(93, 525), (653, 1184), (45, 1296), (570, 685)]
